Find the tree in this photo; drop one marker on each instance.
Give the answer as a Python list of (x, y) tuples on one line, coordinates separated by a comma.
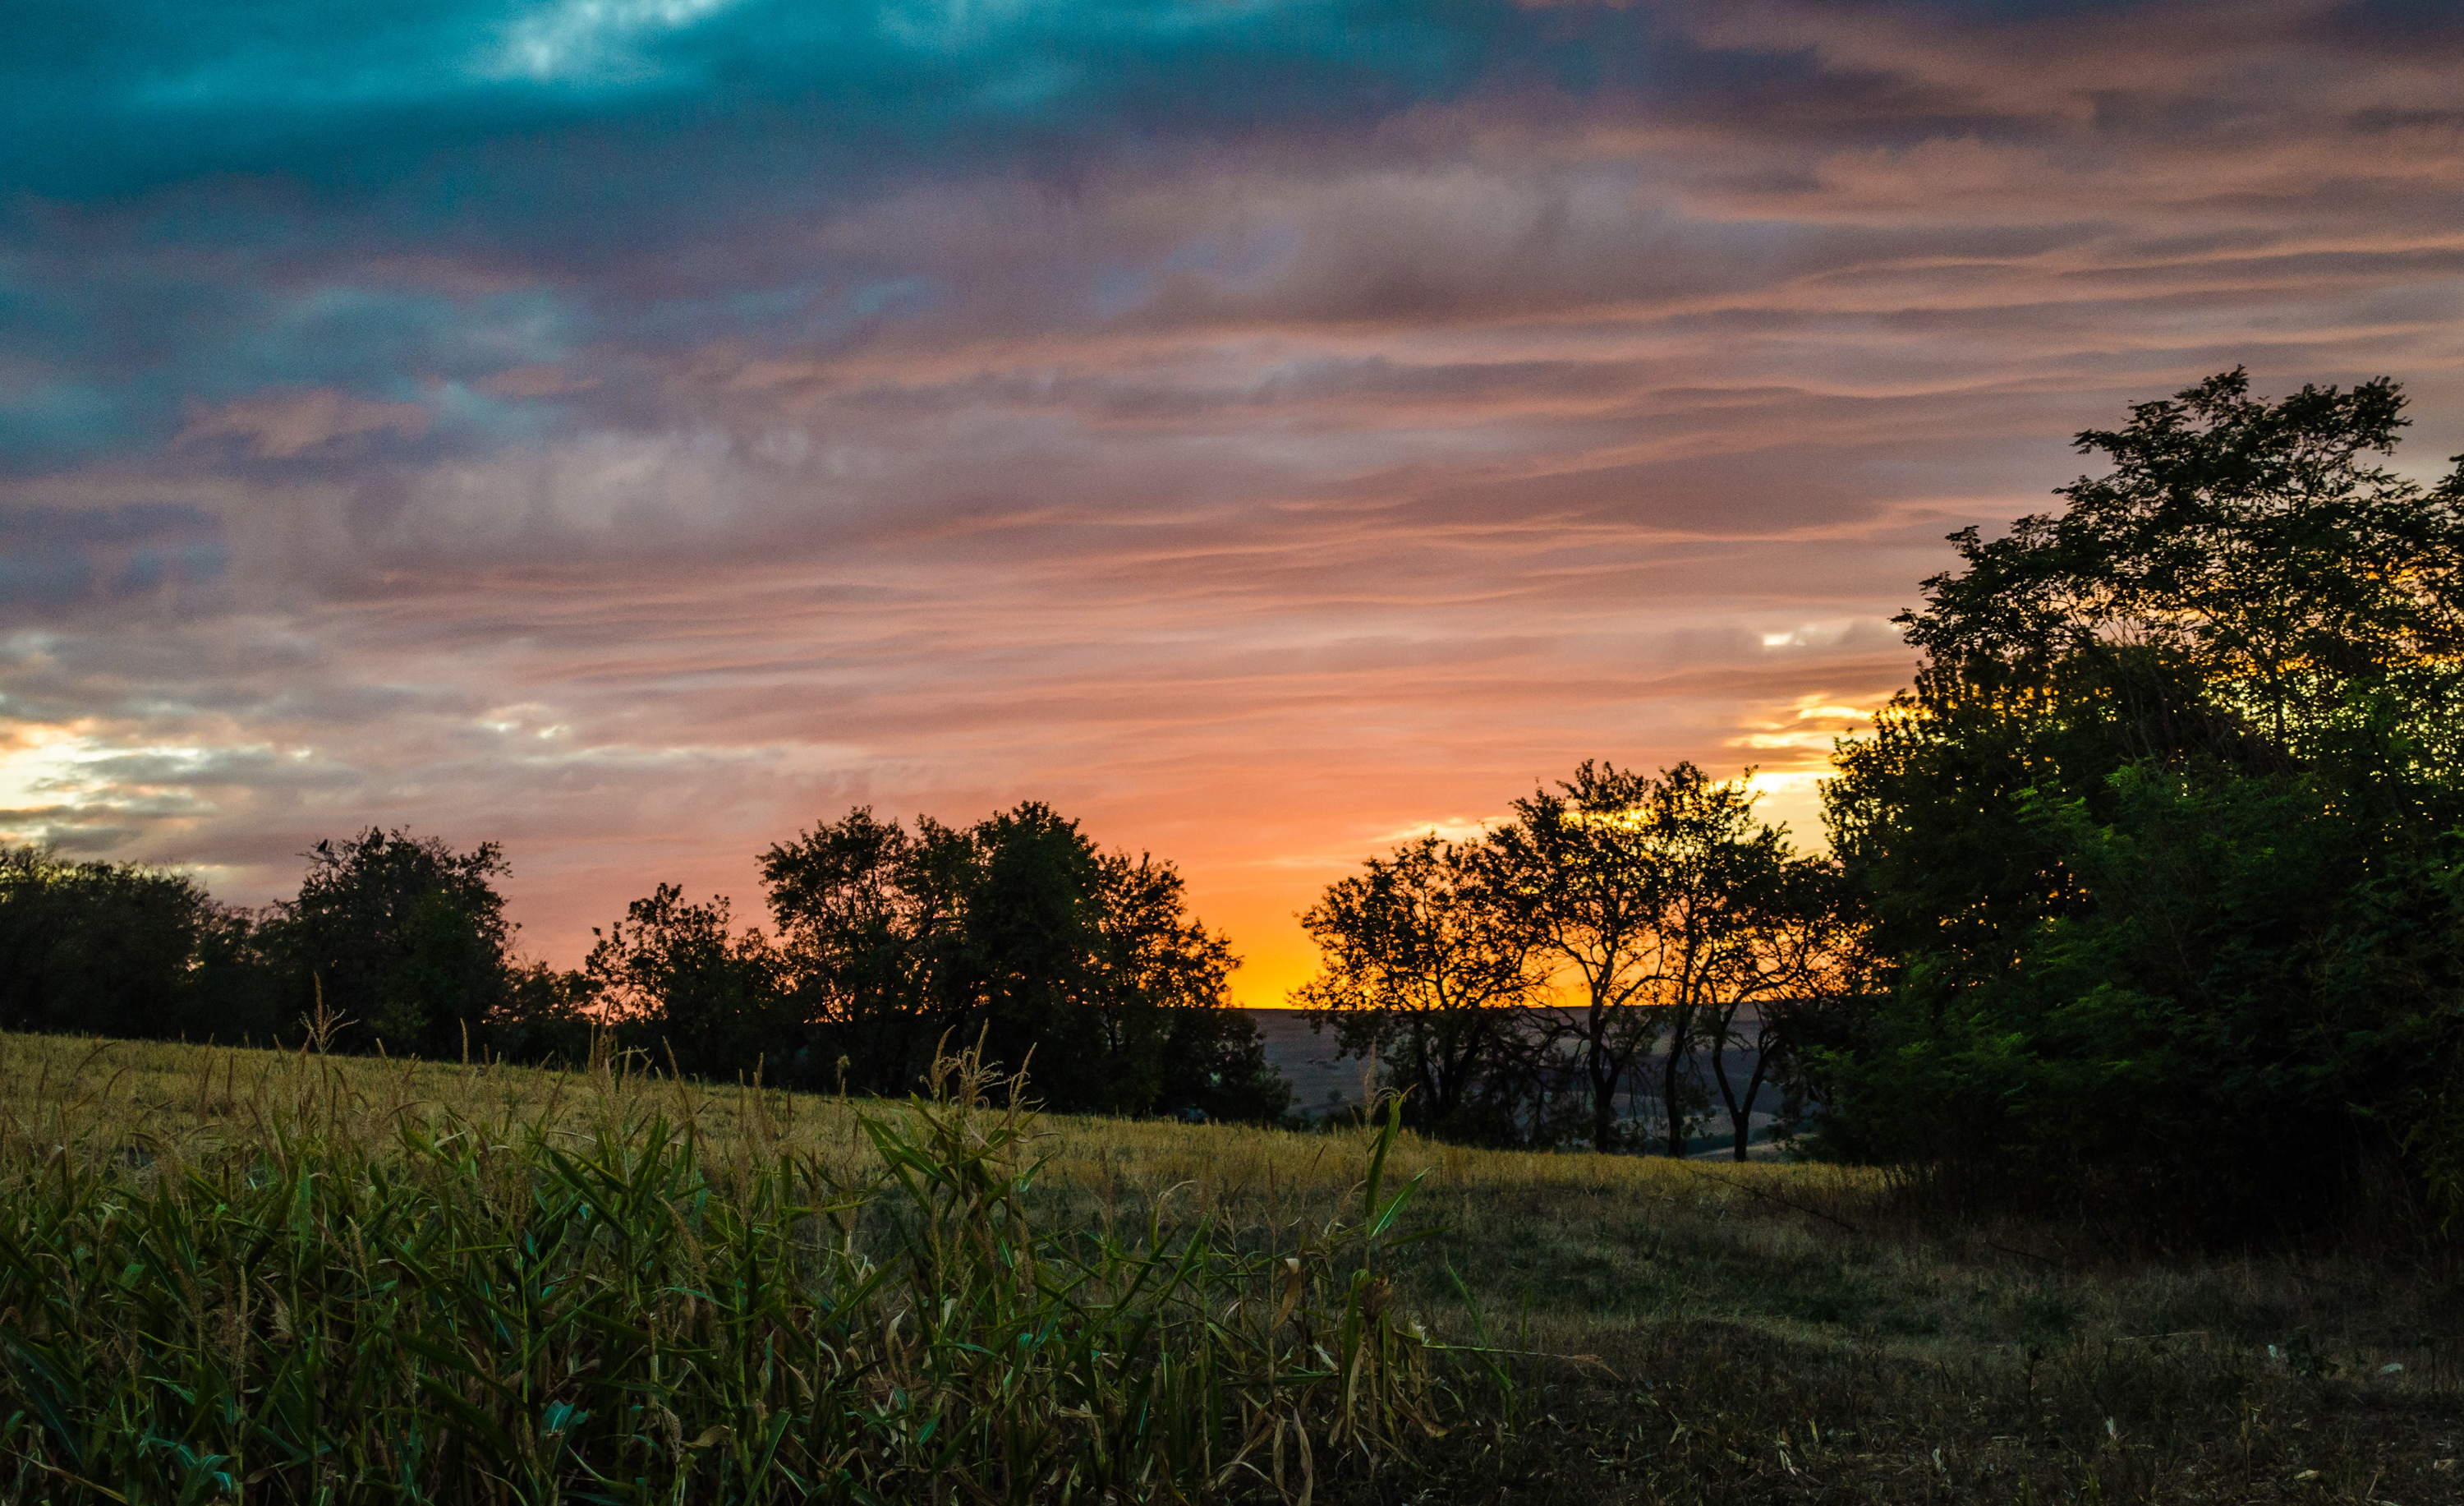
[(548, 1016), (1715, 900), (1578, 866), (402, 937), (2158, 849), (1658, 907), (866, 914), (1426, 962), (119, 949), (1672, 909), (1016, 930), (673, 977), (1165, 975), (1797, 956), (2236, 582), (1030, 970)]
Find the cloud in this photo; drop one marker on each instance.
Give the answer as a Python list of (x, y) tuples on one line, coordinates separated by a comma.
[(634, 431), (69, 557), (282, 426)]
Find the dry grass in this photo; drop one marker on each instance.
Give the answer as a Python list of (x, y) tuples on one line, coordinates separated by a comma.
[(1753, 1332), (333, 1280)]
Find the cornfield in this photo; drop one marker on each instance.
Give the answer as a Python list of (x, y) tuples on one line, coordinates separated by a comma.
[(596, 1301), (246, 1275)]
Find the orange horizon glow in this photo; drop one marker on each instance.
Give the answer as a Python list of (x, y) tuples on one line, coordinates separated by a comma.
[(638, 449)]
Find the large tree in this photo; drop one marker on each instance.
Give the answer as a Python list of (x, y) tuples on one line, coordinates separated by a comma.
[(402, 939), (1426, 961), (1018, 931), (2158, 848)]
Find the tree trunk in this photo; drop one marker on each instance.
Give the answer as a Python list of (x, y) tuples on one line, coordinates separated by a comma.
[(1603, 1113), (1737, 1127), (1745, 1128), (1600, 1067), (1679, 1028)]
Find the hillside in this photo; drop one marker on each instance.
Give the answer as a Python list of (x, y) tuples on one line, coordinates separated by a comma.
[(1688, 1332), (1326, 1082)]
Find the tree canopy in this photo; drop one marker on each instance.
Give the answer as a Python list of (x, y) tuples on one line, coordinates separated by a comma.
[(2161, 848), (1020, 932), (1580, 972), (112, 949), (401, 938)]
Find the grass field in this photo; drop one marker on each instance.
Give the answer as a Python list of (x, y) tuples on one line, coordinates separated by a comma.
[(1681, 1332)]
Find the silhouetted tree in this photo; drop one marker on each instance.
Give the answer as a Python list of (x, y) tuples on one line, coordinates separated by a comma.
[(2158, 850), (400, 936), (114, 949), (675, 979), (547, 1017), (1427, 962), (1651, 913), (1578, 864), (1797, 955), (1016, 930)]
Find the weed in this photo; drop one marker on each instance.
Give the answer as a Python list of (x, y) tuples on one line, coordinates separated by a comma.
[(1764, 1333), (604, 1304)]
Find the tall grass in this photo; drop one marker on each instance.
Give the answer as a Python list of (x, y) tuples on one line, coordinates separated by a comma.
[(1765, 1332), (594, 1300)]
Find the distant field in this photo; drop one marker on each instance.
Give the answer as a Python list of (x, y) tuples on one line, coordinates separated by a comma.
[(1321, 1080), (1325, 1082), (1693, 1331)]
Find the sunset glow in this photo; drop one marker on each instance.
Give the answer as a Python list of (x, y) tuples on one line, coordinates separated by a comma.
[(636, 431)]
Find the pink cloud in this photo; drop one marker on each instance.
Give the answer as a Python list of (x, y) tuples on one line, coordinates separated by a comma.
[(1260, 502)]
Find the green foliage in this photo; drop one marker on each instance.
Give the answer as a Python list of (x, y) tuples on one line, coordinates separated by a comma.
[(401, 937), (2253, 995), (2161, 850), (118, 949), (1020, 932), (2237, 577), (510, 1312)]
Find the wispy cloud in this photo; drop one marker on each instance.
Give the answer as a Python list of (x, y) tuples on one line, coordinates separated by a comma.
[(634, 429)]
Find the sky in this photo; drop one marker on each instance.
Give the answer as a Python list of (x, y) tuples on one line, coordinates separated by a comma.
[(635, 431)]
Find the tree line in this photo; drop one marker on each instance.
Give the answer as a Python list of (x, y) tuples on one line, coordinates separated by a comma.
[(1621, 957), (1017, 931), (2147, 897)]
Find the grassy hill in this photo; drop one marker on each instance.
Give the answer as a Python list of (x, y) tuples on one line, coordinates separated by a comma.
[(1664, 1331)]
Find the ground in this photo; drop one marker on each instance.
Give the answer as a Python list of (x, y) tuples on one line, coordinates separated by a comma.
[(1680, 1331)]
